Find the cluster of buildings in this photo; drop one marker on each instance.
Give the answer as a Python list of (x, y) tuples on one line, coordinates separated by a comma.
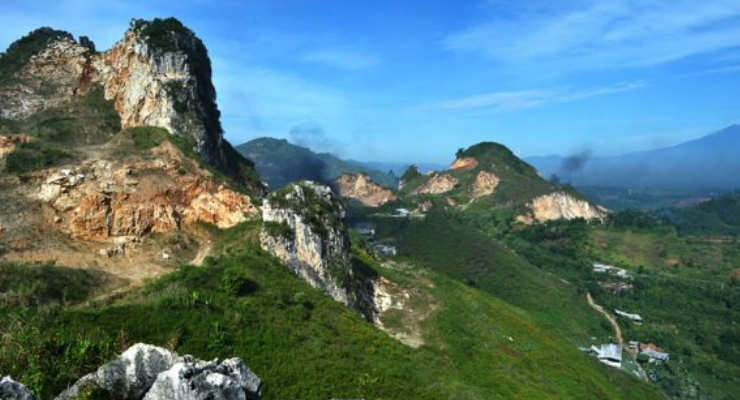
[(367, 230), (648, 352)]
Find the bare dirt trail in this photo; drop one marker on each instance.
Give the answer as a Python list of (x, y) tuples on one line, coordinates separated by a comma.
[(612, 320), (203, 252)]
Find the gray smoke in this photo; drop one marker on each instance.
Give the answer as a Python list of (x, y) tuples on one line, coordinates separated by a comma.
[(575, 162), (312, 136)]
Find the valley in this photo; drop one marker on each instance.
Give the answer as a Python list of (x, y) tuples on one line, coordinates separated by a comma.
[(137, 244)]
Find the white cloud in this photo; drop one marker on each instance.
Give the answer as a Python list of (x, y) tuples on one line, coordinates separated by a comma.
[(347, 60), (602, 34), (501, 102)]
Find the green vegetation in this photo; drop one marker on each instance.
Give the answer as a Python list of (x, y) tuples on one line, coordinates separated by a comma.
[(717, 217), (646, 199), (303, 344), (56, 134), (280, 162), (33, 156), (20, 51), (684, 288)]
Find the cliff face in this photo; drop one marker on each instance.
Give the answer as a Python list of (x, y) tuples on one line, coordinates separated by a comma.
[(158, 75), (304, 228), (361, 188), (561, 205)]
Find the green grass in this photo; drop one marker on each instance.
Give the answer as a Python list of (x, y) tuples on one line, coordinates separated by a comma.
[(684, 289), (303, 344)]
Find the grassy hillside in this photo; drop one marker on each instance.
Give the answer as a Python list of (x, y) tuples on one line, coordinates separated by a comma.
[(717, 217), (304, 345), (685, 288), (280, 162)]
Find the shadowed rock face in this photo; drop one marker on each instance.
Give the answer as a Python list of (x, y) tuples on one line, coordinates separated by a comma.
[(361, 188)]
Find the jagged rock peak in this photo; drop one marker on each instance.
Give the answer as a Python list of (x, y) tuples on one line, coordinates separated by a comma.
[(154, 373), (304, 227), (158, 75)]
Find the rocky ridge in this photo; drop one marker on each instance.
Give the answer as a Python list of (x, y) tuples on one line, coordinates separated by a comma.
[(304, 227), (158, 75), (362, 188)]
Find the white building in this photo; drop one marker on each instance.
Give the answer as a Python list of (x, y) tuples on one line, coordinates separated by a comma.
[(636, 318)]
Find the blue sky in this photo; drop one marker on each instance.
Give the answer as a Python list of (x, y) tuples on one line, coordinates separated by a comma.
[(414, 80)]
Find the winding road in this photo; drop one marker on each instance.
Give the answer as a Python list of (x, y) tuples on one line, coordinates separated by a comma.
[(612, 320)]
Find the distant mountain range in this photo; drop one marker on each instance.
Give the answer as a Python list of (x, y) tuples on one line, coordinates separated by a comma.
[(280, 162), (712, 161)]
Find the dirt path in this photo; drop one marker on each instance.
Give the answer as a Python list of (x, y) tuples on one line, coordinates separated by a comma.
[(612, 320)]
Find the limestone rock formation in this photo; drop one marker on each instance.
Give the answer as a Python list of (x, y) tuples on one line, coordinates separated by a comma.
[(361, 188), (464, 164), (438, 183), (153, 373), (158, 75), (12, 390), (304, 227), (484, 184), (103, 199), (561, 205)]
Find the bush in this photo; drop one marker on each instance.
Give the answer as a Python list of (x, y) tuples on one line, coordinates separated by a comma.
[(33, 156)]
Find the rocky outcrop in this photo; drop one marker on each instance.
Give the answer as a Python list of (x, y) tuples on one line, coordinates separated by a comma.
[(153, 373), (361, 188), (484, 184), (438, 183), (49, 79), (8, 144), (561, 205), (12, 390), (304, 227), (158, 75), (103, 199), (464, 164)]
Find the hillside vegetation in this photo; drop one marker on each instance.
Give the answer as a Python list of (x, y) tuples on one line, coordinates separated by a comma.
[(280, 162)]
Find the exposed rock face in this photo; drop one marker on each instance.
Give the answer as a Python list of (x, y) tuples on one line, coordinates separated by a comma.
[(158, 75), (484, 184), (561, 205), (104, 199), (12, 390), (154, 373), (464, 164), (361, 188), (8, 143), (438, 183), (304, 228), (49, 79), (166, 85)]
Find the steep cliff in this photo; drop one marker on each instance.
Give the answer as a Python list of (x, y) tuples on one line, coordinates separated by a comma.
[(362, 188), (159, 75), (304, 227)]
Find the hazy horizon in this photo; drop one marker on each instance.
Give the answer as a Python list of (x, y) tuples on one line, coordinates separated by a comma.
[(372, 81)]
